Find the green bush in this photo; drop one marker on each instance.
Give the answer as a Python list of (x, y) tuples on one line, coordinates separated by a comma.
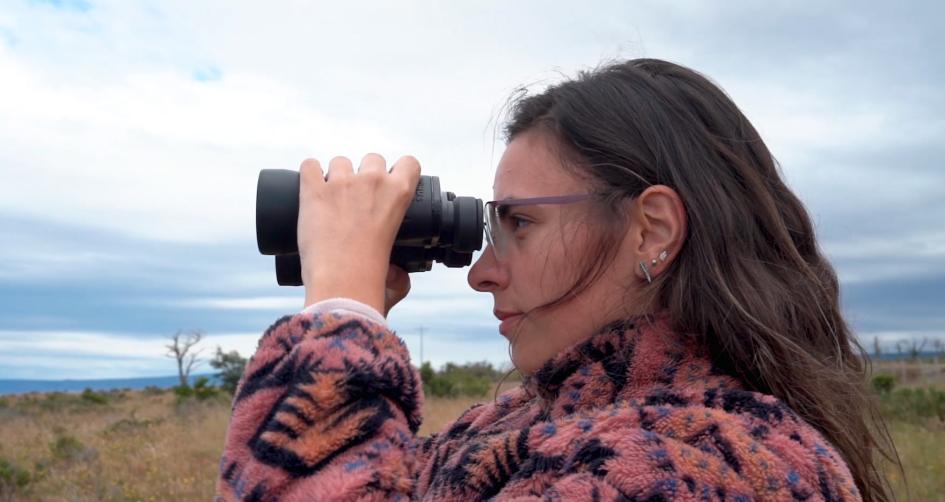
[(440, 387), (153, 390), (914, 404), (472, 379), (427, 373), (201, 390), (90, 396), (231, 366), (13, 478), (130, 425), (883, 383), (66, 447), (69, 402), (56, 401), (183, 392)]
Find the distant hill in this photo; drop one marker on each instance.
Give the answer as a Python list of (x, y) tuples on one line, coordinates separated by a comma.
[(22, 386)]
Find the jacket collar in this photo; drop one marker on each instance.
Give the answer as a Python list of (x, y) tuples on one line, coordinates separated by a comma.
[(634, 358)]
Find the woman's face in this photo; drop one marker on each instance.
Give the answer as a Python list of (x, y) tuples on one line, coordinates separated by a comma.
[(542, 256)]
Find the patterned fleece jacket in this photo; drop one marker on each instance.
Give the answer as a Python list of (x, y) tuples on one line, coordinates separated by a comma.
[(329, 406)]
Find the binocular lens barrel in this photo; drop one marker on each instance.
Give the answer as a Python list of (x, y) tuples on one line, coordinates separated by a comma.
[(438, 226)]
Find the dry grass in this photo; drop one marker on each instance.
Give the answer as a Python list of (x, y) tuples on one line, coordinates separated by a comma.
[(914, 373), (919, 443), (438, 411), (922, 451), (136, 447), (142, 446)]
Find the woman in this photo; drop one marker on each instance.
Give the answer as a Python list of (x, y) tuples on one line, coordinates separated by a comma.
[(678, 330)]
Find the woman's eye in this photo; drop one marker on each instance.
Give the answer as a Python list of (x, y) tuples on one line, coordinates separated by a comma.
[(516, 221)]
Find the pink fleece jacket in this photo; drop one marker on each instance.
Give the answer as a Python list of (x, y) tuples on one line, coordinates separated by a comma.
[(329, 406)]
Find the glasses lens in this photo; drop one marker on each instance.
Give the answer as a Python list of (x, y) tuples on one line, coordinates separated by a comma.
[(493, 228)]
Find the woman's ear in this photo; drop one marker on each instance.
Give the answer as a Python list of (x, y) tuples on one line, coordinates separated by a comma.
[(658, 223)]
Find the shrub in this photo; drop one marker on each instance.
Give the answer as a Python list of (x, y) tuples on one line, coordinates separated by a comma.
[(203, 390), (231, 366), (440, 387), (13, 478), (66, 447), (117, 394), (427, 373), (472, 379), (56, 401), (153, 390), (90, 396), (130, 425), (183, 392), (912, 404), (883, 383)]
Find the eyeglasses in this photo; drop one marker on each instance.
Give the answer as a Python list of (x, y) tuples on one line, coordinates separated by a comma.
[(500, 227)]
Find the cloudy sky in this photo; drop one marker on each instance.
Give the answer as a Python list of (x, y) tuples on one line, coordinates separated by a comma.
[(131, 135)]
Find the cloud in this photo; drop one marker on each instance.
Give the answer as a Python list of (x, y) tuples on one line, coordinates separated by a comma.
[(75, 5), (131, 136), (207, 74), (256, 303), (39, 354)]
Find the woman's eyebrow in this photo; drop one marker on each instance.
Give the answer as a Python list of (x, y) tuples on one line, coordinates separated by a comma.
[(507, 197)]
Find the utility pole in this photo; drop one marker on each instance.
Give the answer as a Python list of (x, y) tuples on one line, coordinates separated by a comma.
[(421, 345)]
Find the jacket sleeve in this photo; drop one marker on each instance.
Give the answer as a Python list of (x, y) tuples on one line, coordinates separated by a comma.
[(328, 407)]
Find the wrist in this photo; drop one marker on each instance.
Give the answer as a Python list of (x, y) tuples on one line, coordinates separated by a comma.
[(365, 288), (372, 300)]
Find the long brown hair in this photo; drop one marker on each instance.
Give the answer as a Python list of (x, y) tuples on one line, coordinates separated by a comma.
[(750, 277)]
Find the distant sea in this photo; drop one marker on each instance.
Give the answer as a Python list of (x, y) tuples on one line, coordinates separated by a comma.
[(22, 386)]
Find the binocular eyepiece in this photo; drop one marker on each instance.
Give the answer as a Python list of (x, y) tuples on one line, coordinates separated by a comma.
[(438, 226)]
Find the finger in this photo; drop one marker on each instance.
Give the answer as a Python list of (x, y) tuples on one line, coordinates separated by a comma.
[(372, 162), (339, 167), (310, 173), (407, 168)]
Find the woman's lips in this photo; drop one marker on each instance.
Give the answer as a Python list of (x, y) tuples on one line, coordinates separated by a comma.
[(507, 322)]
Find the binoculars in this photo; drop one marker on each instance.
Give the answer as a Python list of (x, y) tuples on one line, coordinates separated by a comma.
[(438, 226)]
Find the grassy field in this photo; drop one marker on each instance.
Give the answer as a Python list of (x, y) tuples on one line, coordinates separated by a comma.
[(143, 445), (915, 415)]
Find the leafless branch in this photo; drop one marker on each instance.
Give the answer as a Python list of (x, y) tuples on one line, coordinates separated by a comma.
[(183, 351)]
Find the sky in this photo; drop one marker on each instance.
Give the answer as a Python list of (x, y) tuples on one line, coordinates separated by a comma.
[(132, 133)]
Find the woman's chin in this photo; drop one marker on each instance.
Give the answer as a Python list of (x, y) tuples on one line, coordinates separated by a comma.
[(525, 361)]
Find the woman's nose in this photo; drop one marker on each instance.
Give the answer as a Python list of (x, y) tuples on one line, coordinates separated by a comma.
[(487, 274)]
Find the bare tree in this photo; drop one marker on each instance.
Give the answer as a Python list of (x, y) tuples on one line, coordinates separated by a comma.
[(939, 345), (182, 349), (912, 349), (900, 361), (915, 348)]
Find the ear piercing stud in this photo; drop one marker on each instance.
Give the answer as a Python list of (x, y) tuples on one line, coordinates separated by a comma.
[(662, 257)]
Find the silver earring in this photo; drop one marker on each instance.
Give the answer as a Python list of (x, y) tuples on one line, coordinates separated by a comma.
[(663, 255), (646, 272)]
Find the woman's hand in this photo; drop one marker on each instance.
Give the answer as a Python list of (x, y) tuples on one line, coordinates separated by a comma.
[(347, 225)]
